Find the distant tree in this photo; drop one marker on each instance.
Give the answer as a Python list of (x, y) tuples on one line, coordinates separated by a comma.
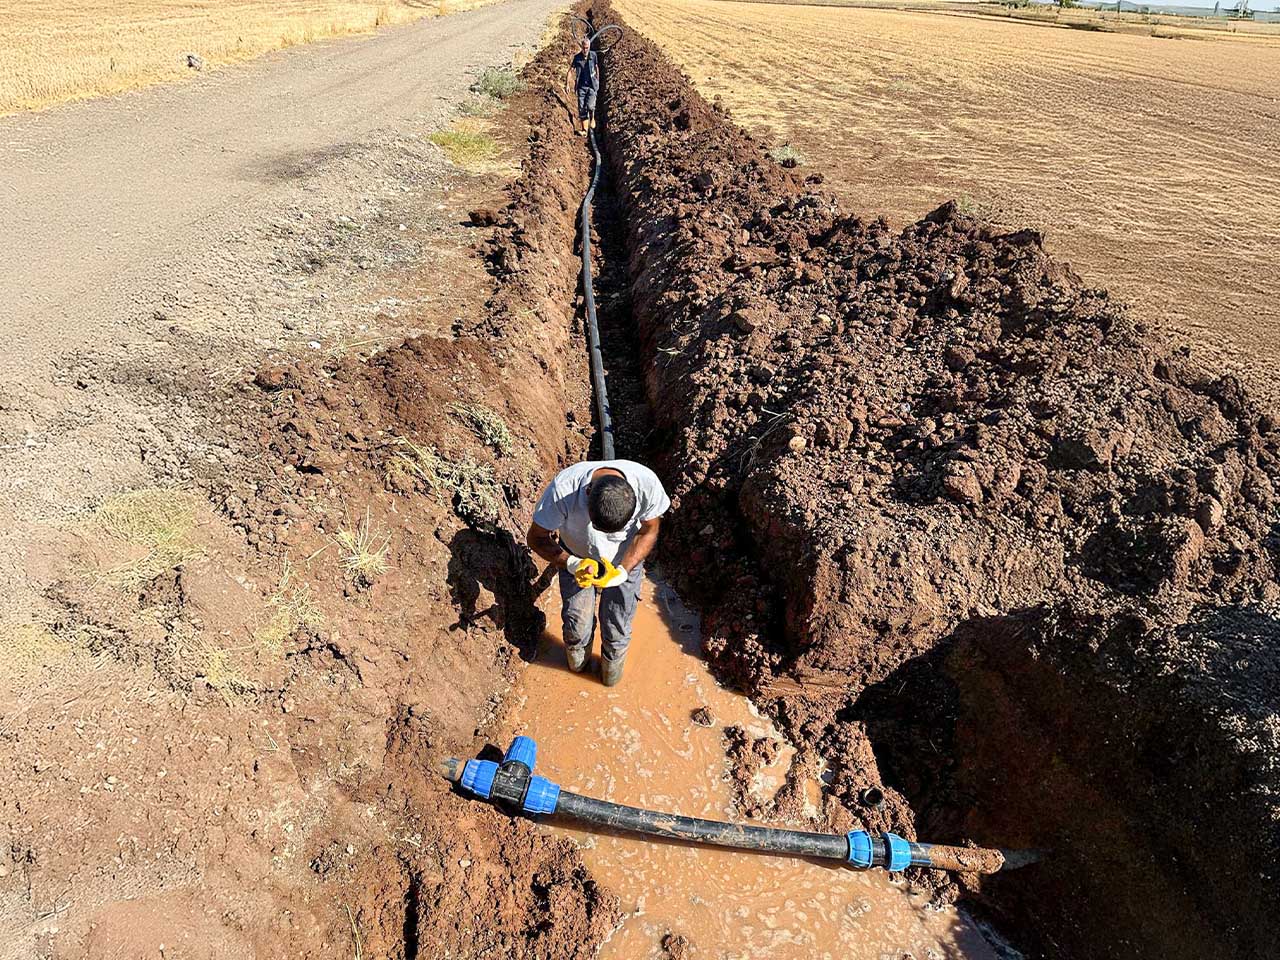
[(1064, 4)]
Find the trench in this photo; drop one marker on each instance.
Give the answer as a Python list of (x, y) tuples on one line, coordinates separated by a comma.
[(638, 743), (839, 662)]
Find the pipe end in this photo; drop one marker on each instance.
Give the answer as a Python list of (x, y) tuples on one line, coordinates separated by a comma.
[(450, 768)]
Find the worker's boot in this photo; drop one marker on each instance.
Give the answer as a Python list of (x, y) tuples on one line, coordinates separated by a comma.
[(610, 671), (576, 658)]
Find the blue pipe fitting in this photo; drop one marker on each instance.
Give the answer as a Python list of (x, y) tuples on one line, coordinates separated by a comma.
[(541, 796), (897, 851), (522, 750), (477, 776), (860, 849)]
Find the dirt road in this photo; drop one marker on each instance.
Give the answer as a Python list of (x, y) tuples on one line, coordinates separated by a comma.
[(158, 239)]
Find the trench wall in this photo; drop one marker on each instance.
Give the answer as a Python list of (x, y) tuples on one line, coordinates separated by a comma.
[(427, 649)]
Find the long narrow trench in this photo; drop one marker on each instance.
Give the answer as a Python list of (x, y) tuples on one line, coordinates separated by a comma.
[(638, 743)]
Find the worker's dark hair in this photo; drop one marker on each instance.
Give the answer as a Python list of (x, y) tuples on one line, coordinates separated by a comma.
[(610, 503)]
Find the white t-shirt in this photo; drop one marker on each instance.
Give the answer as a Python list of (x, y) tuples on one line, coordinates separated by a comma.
[(563, 507)]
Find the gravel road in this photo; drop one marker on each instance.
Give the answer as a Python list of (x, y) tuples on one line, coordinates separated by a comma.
[(159, 243)]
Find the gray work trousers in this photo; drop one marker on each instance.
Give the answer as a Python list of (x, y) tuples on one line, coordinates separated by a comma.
[(617, 610)]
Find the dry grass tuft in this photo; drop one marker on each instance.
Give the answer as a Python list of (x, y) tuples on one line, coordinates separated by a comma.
[(467, 147), (219, 673), (787, 155), (58, 50), (478, 107), (293, 608), (362, 551), (498, 83), (159, 521), (35, 654), (487, 425), (471, 487)]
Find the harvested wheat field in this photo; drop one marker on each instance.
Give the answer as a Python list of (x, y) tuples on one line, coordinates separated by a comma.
[(1148, 163), (69, 50)]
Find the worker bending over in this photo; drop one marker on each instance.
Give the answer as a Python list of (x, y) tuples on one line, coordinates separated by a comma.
[(605, 514), (584, 77)]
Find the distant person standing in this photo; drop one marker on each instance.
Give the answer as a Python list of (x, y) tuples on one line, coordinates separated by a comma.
[(584, 77)]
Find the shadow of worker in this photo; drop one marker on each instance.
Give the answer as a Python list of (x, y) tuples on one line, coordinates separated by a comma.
[(495, 585)]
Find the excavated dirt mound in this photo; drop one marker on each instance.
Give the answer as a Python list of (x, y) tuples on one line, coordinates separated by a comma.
[(950, 511)]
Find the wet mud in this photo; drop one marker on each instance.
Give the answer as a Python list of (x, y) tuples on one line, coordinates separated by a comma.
[(637, 743), (964, 529)]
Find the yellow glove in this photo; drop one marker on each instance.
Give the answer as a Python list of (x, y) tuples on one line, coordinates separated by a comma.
[(584, 571), (611, 576)]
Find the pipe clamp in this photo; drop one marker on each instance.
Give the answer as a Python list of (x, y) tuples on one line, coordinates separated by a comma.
[(860, 849), (477, 777)]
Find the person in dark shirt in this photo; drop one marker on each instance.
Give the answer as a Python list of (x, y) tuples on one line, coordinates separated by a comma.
[(584, 77)]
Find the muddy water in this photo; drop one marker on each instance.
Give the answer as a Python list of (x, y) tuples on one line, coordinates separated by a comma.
[(635, 744)]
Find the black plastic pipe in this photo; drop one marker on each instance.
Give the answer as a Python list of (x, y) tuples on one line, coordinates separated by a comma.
[(512, 785), (616, 816), (589, 296)]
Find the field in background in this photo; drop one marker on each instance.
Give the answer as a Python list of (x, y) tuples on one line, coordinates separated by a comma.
[(1148, 162), (57, 50), (1079, 18)]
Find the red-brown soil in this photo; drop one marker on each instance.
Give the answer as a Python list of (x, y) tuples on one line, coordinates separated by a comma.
[(293, 806), (954, 515), (442, 633)]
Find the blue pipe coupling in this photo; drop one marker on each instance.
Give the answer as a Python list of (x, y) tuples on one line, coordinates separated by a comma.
[(515, 778), (891, 852), (542, 796), (522, 750), (477, 777)]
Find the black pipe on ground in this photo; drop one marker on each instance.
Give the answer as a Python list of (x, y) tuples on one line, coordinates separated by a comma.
[(513, 785)]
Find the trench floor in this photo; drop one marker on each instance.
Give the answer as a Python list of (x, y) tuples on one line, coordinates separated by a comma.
[(636, 744)]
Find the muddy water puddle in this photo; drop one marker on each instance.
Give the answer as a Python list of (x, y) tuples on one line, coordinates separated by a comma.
[(636, 744)]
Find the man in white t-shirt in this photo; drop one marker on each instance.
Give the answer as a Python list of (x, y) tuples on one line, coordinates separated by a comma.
[(606, 515)]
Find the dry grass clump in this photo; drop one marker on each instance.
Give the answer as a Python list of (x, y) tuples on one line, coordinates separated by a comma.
[(159, 521), (786, 155), (470, 486), (292, 609), (362, 551), (221, 674), (487, 425), (498, 83), (478, 107), (33, 655), (467, 147), (57, 50)]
